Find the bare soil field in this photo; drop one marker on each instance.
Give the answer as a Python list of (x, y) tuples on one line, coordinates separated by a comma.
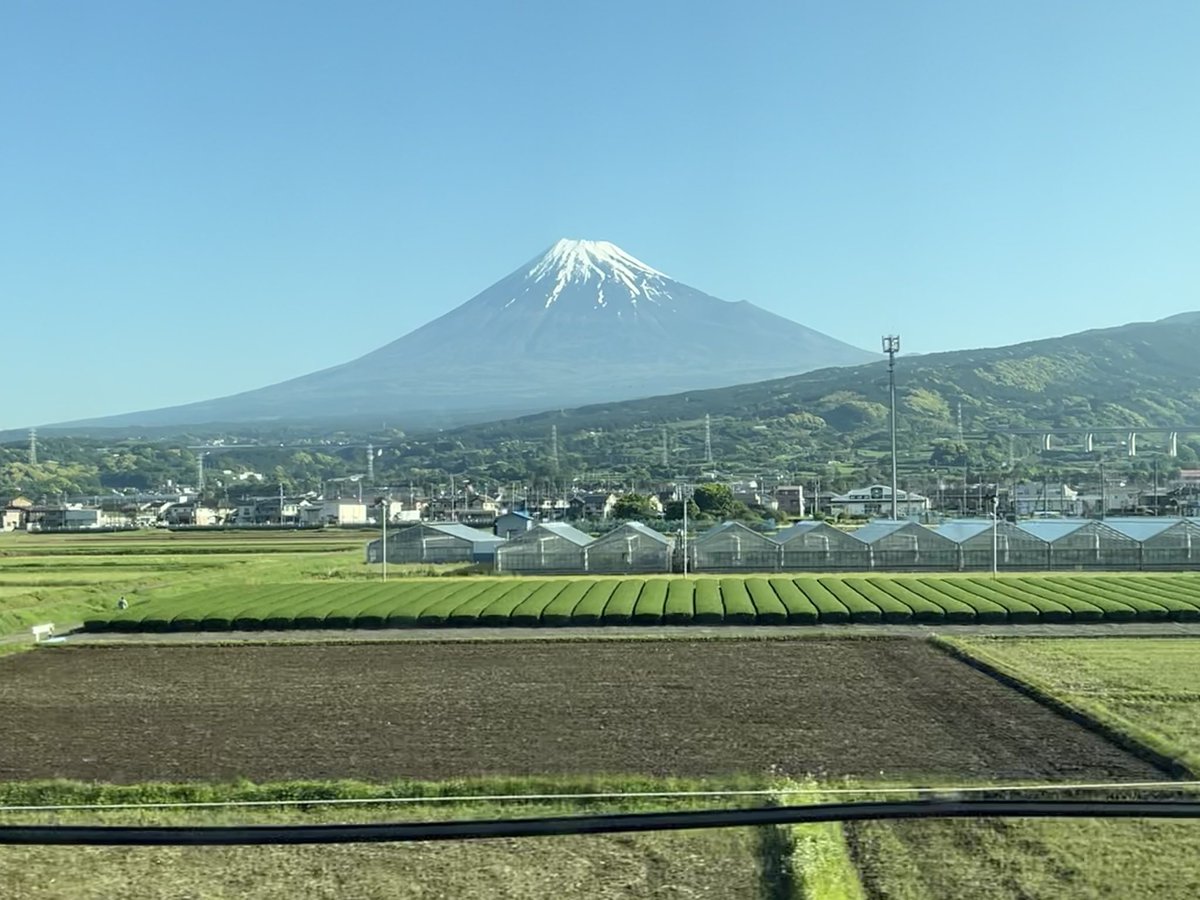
[(890, 708)]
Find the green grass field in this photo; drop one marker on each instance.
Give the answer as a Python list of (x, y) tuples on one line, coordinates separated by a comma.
[(1148, 689), (737, 863), (735, 600), (64, 578)]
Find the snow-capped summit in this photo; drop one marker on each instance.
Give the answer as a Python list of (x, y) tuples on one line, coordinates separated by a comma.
[(613, 274), (583, 322)]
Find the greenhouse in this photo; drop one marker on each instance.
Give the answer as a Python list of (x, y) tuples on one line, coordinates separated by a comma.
[(547, 548), (1165, 543), (731, 546), (446, 542), (1084, 543), (1015, 548), (633, 547), (818, 546), (895, 544)]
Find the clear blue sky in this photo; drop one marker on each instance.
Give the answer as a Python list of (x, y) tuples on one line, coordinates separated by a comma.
[(203, 197)]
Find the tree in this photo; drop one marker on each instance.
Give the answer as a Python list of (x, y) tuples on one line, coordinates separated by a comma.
[(714, 500), (633, 506), (673, 510)]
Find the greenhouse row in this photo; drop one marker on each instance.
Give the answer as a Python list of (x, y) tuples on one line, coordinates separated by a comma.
[(966, 545)]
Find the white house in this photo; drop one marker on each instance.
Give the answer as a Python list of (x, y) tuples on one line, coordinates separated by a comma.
[(876, 500)]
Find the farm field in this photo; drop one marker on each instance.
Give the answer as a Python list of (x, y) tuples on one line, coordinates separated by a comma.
[(729, 863), (1147, 688), (65, 578), (1019, 859), (878, 708), (663, 600), (155, 542)]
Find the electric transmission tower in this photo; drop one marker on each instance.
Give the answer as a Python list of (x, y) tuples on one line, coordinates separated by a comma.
[(33, 446)]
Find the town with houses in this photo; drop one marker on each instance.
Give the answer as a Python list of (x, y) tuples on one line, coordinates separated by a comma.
[(567, 533)]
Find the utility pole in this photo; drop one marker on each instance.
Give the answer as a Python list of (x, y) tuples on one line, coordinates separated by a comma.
[(891, 346), (554, 447), (683, 541), (386, 506), (371, 463), (708, 456), (1156, 485), (200, 476), (1103, 492), (995, 533)]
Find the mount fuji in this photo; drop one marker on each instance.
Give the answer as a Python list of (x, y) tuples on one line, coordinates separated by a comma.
[(584, 322)]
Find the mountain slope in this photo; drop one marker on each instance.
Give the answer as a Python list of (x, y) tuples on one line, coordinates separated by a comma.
[(1143, 374), (581, 323)]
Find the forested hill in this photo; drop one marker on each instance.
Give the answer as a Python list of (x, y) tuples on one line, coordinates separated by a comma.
[(1145, 374), (831, 424)]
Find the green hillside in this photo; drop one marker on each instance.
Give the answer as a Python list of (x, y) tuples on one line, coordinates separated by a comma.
[(1142, 374)]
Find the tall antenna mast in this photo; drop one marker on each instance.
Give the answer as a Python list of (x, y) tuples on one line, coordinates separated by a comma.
[(33, 446), (708, 457)]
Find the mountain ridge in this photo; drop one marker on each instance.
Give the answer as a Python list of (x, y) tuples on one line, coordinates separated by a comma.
[(608, 327)]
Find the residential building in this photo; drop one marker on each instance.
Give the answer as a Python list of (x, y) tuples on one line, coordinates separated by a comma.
[(69, 518), (790, 499), (511, 524), (188, 514), (15, 514), (876, 500), (592, 505), (1039, 497)]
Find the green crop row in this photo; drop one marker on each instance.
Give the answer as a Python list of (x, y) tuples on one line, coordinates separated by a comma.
[(779, 600)]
